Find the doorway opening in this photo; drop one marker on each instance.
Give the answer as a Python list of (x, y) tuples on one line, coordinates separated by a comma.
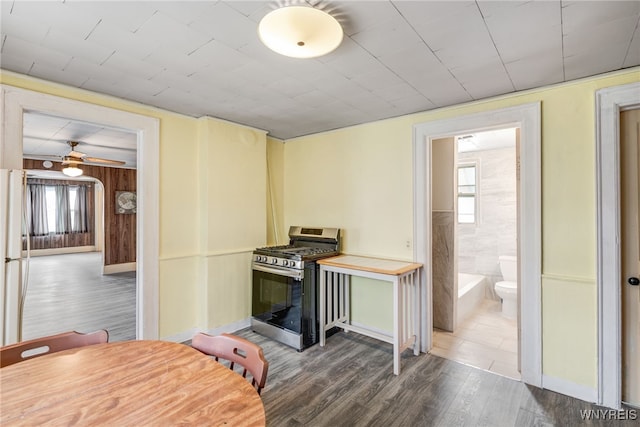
[(475, 263), (80, 260), (528, 119), (19, 101), (609, 103)]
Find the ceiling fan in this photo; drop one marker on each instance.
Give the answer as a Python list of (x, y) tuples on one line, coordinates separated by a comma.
[(71, 160), (75, 157)]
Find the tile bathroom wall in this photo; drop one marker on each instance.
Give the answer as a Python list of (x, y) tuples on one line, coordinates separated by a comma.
[(444, 286), (495, 232)]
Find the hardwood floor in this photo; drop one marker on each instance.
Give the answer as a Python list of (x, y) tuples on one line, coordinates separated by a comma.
[(69, 292), (350, 382)]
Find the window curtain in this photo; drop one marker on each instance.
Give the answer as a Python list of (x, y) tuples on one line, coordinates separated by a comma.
[(37, 199), (38, 217), (80, 215), (63, 217)]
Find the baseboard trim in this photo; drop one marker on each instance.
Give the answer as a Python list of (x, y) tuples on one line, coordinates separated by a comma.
[(376, 330), (579, 391), (119, 268), (59, 251), (182, 337), (231, 327), (186, 336)]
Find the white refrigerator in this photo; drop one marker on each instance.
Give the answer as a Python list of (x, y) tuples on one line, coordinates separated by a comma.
[(12, 185)]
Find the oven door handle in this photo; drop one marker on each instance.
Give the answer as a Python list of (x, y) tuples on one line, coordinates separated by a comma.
[(295, 274)]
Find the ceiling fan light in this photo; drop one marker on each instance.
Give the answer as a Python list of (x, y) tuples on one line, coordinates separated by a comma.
[(72, 170), (300, 32)]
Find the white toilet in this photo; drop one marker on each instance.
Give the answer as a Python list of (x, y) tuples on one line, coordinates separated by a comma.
[(508, 288)]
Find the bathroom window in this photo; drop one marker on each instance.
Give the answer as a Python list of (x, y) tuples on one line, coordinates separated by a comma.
[(467, 191)]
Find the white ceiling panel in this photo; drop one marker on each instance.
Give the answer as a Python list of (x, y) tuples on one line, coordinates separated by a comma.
[(611, 34), (42, 70), (204, 58), (15, 47), (633, 51), (55, 14), (127, 15), (22, 28), (385, 37), (219, 56), (338, 86), (519, 28), (123, 64), (398, 92), (62, 42), (124, 42), (582, 15), (226, 25), (171, 34), (537, 70), (103, 86), (251, 8), (377, 79), (484, 80), (185, 12), (85, 68), (592, 62), (17, 63), (445, 24), (357, 16)]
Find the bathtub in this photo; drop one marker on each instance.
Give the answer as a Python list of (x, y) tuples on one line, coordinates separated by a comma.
[(470, 294)]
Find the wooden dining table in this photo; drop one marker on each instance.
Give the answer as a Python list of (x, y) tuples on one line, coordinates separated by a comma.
[(130, 383)]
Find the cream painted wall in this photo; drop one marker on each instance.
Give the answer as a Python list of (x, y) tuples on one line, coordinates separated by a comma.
[(212, 210), (233, 216), (235, 175), (359, 179), (354, 179), (443, 155), (277, 234)]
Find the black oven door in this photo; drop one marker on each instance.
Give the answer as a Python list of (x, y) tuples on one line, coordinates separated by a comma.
[(277, 297)]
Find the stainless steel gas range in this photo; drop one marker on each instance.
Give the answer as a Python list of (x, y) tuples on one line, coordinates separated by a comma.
[(285, 286)]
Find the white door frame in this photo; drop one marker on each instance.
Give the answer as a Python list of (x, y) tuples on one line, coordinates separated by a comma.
[(609, 103), (528, 118), (15, 101)]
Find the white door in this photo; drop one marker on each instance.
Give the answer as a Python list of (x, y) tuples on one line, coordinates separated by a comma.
[(630, 254)]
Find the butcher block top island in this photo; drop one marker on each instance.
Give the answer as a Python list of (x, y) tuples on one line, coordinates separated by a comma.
[(335, 274), (373, 265)]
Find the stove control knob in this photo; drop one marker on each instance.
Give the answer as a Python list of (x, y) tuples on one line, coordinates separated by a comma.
[(274, 261), (285, 263)]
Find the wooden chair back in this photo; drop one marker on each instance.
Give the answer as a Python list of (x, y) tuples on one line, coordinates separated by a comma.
[(26, 350), (235, 350)]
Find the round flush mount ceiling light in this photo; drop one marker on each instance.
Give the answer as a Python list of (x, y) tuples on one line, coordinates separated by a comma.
[(300, 32)]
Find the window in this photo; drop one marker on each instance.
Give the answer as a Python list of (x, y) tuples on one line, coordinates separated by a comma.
[(467, 190), (54, 210), (58, 208)]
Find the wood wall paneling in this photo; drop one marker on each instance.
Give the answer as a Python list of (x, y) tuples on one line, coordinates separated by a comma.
[(120, 229)]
